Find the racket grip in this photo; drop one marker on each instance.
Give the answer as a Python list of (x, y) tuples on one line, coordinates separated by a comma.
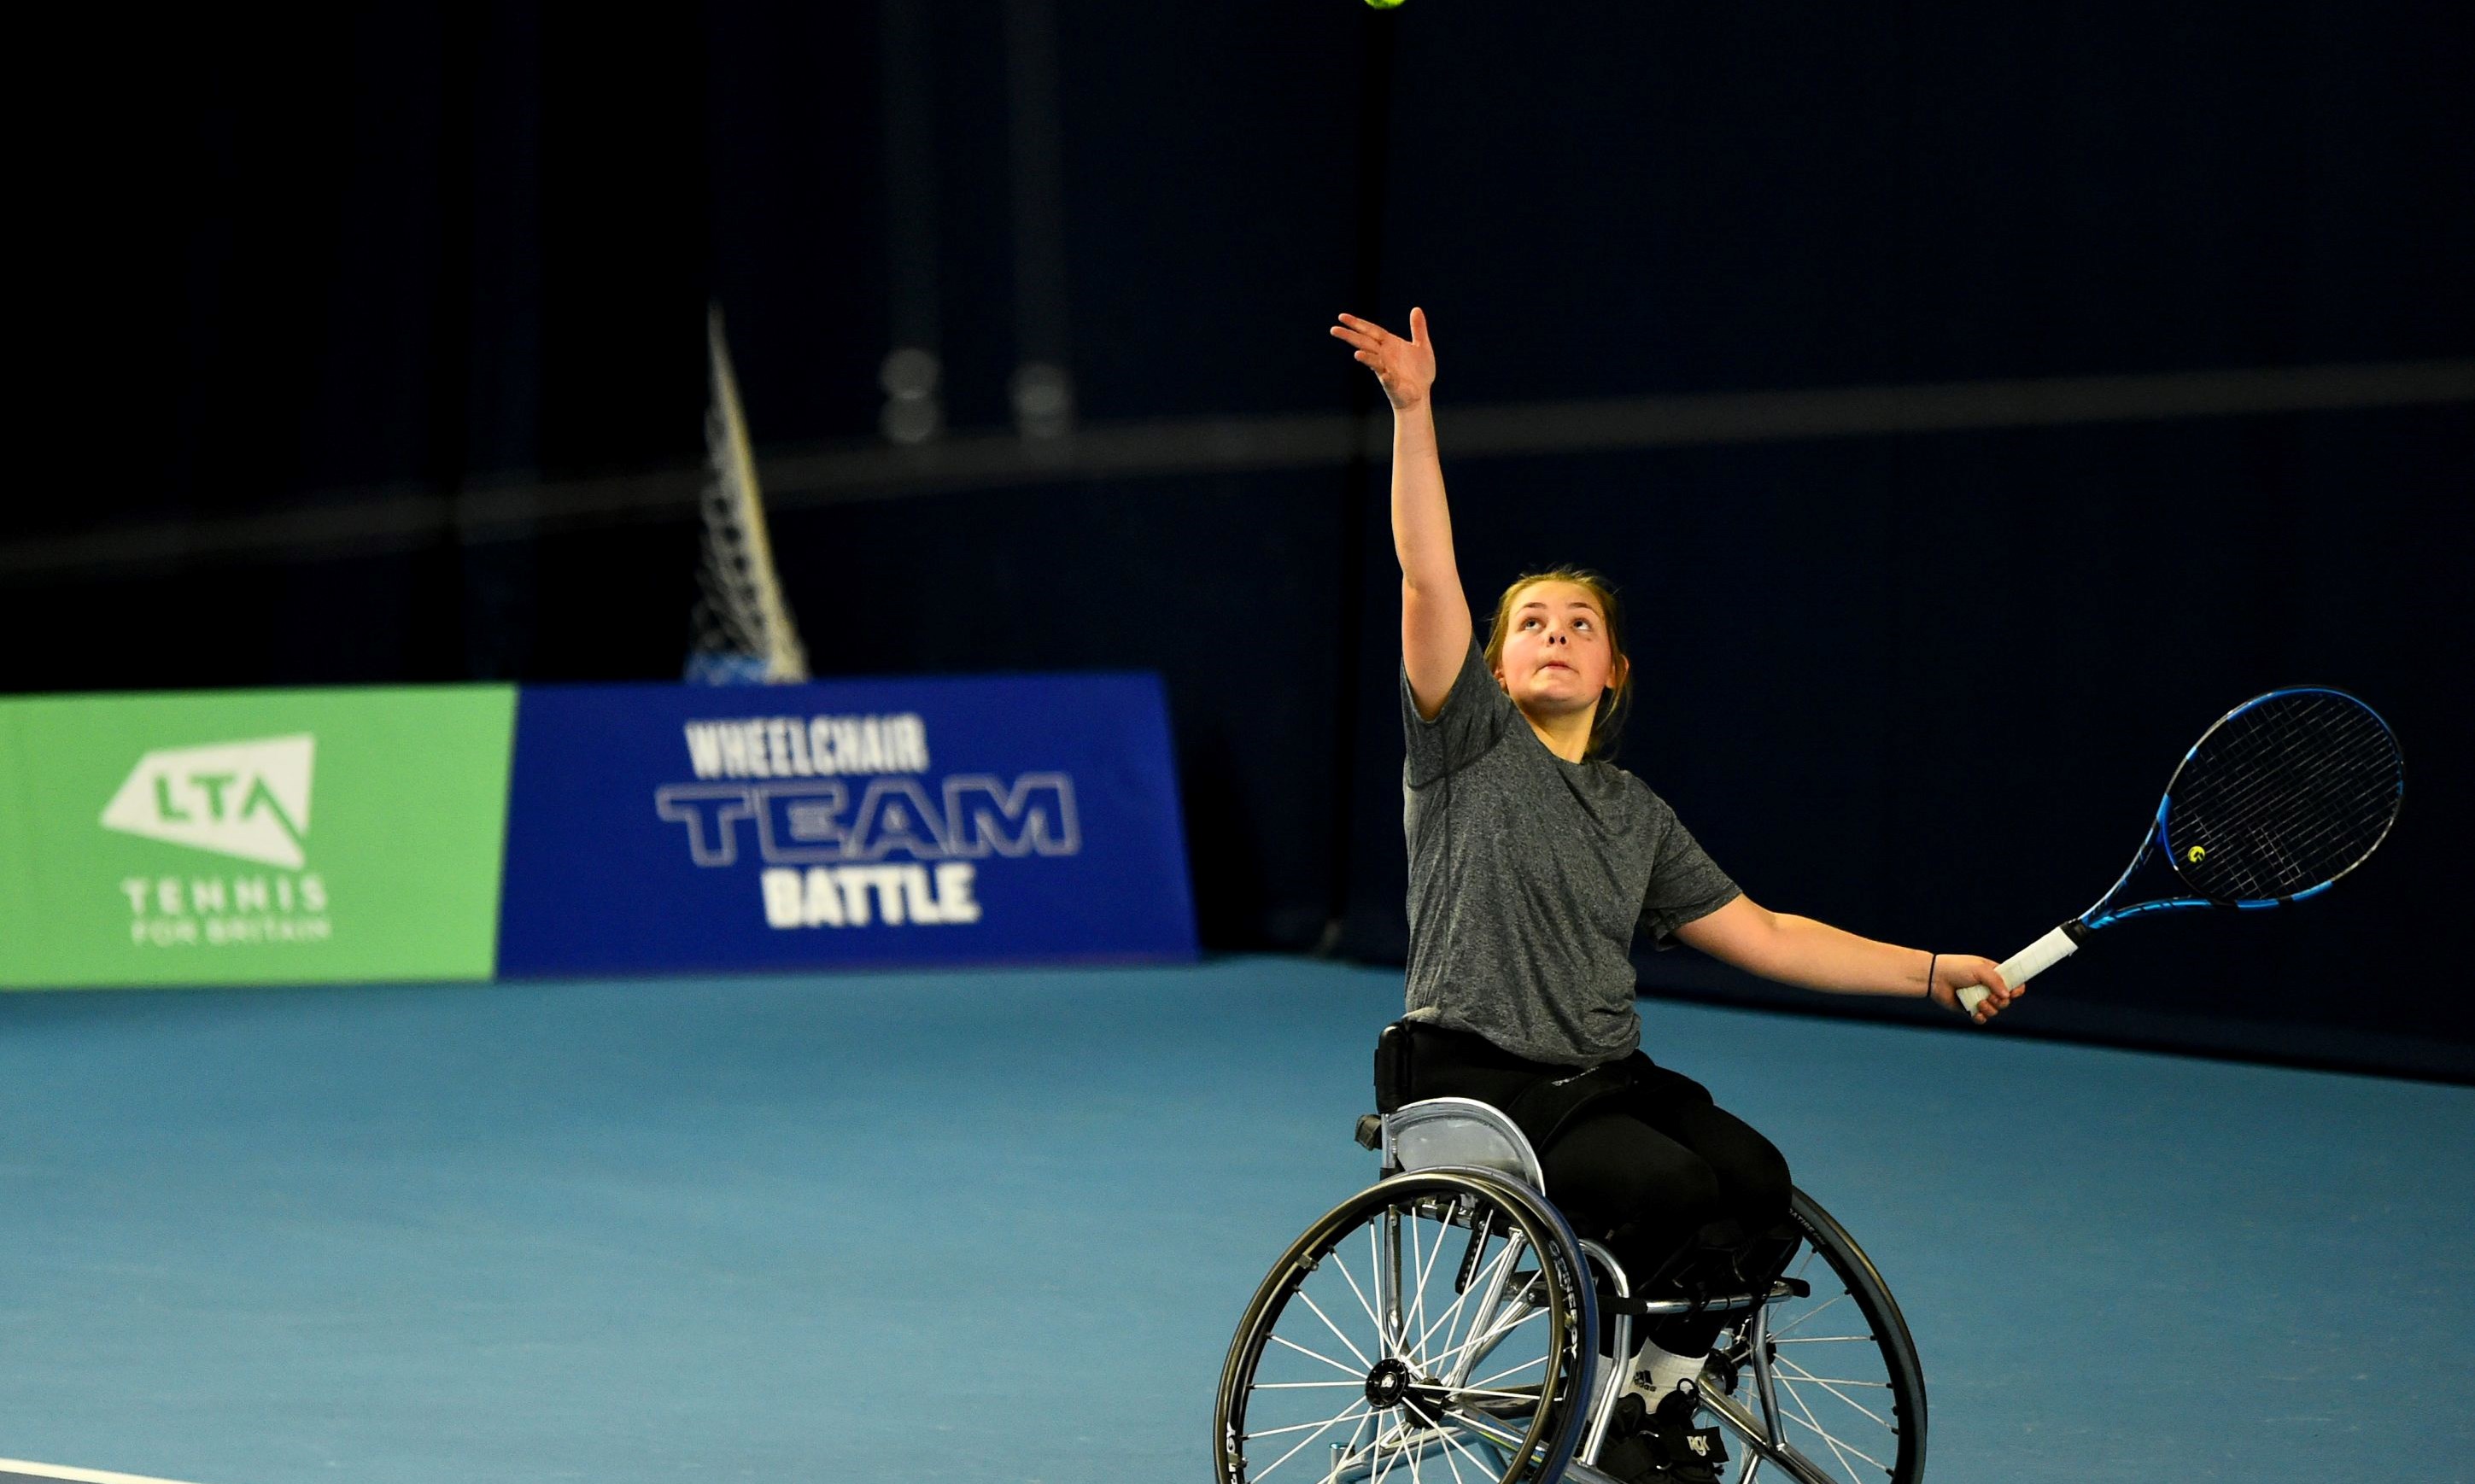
[(2024, 965)]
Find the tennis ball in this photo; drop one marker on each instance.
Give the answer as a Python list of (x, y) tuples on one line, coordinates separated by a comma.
[(1385, 5)]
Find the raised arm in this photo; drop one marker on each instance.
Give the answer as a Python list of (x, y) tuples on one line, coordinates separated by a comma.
[(1435, 615)]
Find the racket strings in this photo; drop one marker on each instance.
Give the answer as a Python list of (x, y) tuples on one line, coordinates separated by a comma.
[(2348, 795), (2331, 845), (2291, 792), (2349, 786), (2275, 847), (2284, 796)]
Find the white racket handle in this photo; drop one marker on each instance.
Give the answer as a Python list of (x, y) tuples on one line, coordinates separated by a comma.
[(2023, 966)]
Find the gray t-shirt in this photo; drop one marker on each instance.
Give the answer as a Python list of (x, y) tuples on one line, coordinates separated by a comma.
[(1527, 875)]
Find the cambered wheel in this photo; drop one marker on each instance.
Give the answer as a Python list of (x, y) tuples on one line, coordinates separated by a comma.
[(1437, 1326), (1844, 1386)]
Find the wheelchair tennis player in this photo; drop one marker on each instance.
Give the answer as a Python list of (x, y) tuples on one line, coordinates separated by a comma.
[(1532, 860)]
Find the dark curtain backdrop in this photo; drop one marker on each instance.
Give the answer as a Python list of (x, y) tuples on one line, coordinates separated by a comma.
[(1924, 686)]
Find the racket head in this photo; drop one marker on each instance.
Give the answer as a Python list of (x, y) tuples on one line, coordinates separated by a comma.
[(2284, 796)]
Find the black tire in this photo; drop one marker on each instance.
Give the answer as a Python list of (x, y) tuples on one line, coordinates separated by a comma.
[(1861, 1417), (1311, 1359)]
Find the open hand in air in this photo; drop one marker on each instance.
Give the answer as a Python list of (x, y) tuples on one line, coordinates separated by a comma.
[(1407, 368), (1957, 971)]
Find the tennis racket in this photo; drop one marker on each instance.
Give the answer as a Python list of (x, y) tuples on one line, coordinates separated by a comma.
[(2286, 795)]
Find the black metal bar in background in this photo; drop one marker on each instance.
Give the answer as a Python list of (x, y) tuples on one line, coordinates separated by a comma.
[(1374, 159), (913, 369), (1042, 391), (398, 516)]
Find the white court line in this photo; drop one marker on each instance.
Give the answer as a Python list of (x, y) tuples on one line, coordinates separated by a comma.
[(8, 1466)]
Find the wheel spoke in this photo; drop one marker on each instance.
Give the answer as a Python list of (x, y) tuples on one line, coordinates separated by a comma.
[(1501, 1375), (1805, 1317), (1384, 1461), (1301, 1385), (1827, 1441), (1803, 1374), (1309, 1439), (1464, 1393), (1479, 1425), (1491, 1338), (1349, 1451), (1377, 1268), (1426, 1265), (1478, 1282), (1452, 1443), (1435, 1362), (1342, 1263), (1341, 1416), (1474, 1344), (1834, 1444), (1310, 1354), (1308, 1299)]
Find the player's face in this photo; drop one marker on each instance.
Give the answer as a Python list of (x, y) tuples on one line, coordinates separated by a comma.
[(1556, 657)]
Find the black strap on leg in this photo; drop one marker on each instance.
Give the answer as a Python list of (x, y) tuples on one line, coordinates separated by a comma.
[(1545, 1109)]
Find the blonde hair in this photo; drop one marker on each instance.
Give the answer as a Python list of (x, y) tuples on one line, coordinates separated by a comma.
[(1606, 726)]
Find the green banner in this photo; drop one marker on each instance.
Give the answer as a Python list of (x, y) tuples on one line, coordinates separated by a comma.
[(252, 837)]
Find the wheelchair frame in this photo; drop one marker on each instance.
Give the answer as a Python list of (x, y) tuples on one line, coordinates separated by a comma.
[(1463, 1163)]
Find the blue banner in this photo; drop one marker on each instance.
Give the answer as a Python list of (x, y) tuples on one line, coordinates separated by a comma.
[(661, 828)]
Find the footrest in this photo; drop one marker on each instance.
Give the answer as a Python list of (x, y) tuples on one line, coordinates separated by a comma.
[(1717, 1303)]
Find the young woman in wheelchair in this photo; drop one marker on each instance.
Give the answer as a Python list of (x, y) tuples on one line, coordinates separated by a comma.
[(1534, 859)]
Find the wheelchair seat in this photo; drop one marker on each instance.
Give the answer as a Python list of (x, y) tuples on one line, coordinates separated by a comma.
[(1440, 1132), (1453, 1134)]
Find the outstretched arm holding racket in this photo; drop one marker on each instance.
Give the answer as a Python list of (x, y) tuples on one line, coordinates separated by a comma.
[(2286, 793), (1801, 951)]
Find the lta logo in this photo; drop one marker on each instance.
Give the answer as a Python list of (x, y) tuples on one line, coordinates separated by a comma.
[(249, 799), (245, 799)]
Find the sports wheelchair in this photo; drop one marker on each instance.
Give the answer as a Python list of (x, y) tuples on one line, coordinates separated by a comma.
[(1445, 1323)]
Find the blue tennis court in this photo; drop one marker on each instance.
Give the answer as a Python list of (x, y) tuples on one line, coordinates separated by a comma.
[(1001, 1226)]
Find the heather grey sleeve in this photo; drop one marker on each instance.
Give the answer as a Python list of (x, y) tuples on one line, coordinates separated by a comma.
[(1684, 883), (1474, 714)]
